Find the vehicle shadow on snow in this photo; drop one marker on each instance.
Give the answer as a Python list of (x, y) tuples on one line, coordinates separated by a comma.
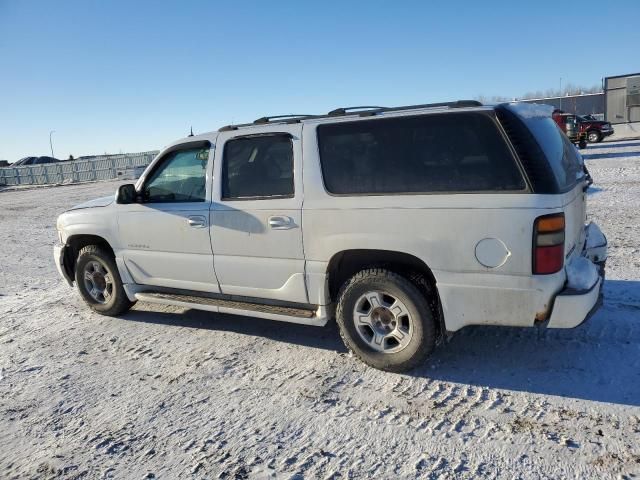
[(595, 156), (326, 338), (599, 360), (617, 144)]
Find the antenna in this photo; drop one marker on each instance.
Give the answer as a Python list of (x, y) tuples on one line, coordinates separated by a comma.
[(191, 134)]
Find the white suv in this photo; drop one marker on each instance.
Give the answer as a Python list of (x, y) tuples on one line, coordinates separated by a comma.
[(404, 224)]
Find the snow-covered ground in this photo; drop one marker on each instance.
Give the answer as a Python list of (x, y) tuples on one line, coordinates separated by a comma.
[(167, 393)]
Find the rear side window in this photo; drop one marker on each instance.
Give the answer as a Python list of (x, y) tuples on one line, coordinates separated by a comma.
[(563, 157), (430, 153), (258, 167)]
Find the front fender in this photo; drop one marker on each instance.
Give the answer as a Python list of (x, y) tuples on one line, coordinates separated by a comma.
[(64, 263)]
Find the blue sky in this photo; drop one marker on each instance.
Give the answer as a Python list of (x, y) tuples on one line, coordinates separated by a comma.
[(134, 75)]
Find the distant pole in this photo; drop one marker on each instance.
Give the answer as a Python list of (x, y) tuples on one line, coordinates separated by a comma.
[(560, 93), (50, 142)]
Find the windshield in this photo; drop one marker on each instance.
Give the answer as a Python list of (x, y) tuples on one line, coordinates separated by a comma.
[(564, 158)]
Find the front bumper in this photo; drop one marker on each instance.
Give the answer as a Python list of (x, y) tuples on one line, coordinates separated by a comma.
[(573, 307), (606, 133), (58, 258)]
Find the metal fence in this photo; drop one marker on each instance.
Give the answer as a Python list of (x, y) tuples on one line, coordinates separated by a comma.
[(106, 167)]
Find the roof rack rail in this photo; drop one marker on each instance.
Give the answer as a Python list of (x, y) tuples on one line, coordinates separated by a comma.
[(371, 111), (293, 117), (364, 111), (344, 110), (455, 104)]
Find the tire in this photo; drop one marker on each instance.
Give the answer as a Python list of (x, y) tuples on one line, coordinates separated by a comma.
[(593, 136), (400, 307), (582, 144), (97, 263)]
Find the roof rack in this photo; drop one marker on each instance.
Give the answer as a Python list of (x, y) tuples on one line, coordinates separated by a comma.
[(364, 111), (344, 110), (456, 104), (370, 111), (293, 118)]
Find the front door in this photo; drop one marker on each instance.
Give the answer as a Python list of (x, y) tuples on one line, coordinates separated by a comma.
[(165, 236), (256, 229)]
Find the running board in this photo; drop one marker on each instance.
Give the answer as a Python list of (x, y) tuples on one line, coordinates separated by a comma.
[(284, 314)]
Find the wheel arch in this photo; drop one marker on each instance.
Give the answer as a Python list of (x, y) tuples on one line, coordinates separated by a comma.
[(346, 263), (77, 242)]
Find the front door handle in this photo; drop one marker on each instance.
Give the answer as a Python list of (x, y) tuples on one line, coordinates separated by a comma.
[(281, 223), (197, 221)]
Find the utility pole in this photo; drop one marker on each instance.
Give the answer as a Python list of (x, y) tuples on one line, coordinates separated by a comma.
[(560, 93), (50, 142)]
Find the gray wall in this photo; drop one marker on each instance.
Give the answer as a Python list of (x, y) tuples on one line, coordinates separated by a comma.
[(579, 104), (109, 167), (622, 98)]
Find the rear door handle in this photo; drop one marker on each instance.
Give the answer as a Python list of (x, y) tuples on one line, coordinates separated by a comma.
[(281, 223), (197, 221)]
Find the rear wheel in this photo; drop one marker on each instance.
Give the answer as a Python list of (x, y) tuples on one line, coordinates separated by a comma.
[(594, 136), (99, 282), (385, 320)]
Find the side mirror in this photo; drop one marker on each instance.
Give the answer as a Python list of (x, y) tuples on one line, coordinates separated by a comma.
[(126, 193)]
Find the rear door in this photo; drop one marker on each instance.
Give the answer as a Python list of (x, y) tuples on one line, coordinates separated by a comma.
[(256, 228)]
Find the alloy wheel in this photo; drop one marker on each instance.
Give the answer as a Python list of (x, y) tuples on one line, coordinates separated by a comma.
[(98, 281), (383, 322)]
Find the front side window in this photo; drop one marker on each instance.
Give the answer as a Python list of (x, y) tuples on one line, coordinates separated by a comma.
[(258, 167), (181, 177), (461, 152)]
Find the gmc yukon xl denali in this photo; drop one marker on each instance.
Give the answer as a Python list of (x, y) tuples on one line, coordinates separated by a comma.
[(403, 224)]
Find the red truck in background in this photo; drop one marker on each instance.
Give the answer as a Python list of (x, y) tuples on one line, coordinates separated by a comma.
[(596, 130), (570, 125)]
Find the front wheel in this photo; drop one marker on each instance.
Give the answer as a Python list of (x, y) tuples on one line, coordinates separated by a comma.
[(594, 136), (385, 320), (99, 282)]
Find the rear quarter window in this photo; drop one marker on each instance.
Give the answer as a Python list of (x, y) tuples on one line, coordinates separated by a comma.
[(563, 157), (453, 152)]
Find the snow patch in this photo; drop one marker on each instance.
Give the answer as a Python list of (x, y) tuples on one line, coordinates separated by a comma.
[(582, 274), (531, 110), (595, 237)]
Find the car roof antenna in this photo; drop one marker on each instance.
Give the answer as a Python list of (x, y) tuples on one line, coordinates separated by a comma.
[(191, 134)]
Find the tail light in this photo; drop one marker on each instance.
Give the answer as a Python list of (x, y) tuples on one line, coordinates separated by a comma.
[(548, 244)]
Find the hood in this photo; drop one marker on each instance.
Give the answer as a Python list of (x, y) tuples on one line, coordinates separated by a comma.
[(98, 202)]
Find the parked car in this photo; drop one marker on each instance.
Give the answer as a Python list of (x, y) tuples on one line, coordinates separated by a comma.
[(570, 125), (404, 224), (4, 163), (595, 130), (24, 161), (34, 161)]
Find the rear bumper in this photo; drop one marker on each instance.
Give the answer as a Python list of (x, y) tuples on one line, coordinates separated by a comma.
[(606, 133), (573, 307), (58, 258)]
